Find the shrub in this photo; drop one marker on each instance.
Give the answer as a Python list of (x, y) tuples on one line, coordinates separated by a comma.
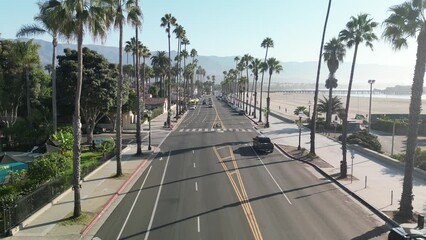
[(65, 137), (364, 139), (48, 166)]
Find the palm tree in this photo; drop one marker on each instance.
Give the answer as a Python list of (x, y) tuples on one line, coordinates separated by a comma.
[(266, 43), (274, 66), (255, 67), (314, 112), (48, 21), (358, 29), (193, 54), (325, 106), (161, 63), (167, 21), (180, 34), (246, 59), (133, 15), (334, 52), (76, 16), (28, 53), (145, 53), (407, 20), (185, 55)]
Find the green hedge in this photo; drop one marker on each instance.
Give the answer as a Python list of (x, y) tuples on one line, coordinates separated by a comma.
[(419, 160)]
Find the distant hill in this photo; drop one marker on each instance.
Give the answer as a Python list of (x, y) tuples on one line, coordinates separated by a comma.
[(303, 73)]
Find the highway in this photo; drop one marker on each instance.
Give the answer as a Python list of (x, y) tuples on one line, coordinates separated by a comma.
[(208, 183)]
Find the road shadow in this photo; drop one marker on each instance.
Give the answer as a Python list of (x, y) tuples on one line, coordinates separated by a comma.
[(373, 233)]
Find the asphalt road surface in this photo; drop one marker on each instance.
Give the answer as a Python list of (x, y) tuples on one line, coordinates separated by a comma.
[(209, 183)]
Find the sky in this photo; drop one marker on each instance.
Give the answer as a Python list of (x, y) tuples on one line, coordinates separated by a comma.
[(237, 27)]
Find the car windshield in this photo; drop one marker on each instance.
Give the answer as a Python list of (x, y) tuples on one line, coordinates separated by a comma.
[(264, 140)]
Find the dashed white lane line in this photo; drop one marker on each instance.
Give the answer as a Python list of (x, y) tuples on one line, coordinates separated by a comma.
[(198, 224), (196, 187), (194, 165), (158, 198)]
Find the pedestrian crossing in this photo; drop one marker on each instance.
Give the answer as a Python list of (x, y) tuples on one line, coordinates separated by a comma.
[(215, 130)]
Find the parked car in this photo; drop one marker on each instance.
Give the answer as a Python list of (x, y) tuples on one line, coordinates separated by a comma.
[(192, 107), (263, 143)]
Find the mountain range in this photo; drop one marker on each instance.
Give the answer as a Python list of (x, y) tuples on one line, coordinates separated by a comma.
[(296, 74)]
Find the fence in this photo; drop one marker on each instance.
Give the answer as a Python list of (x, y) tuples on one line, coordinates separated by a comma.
[(13, 214)]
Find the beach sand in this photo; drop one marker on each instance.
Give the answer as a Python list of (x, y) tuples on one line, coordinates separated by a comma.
[(358, 105)]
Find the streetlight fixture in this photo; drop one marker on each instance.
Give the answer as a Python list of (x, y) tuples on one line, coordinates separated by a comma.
[(149, 113), (300, 129), (369, 109)]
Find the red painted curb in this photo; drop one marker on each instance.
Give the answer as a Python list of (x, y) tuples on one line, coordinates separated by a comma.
[(112, 199)]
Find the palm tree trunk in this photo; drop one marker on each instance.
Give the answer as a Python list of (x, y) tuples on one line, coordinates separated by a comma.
[(261, 89), (138, 95), (255, 97), (344, 165), (119, 102), (54, 106), (268, 102), (77, 126), (169, 86), (330, 106), (406, 203), (314, 111)]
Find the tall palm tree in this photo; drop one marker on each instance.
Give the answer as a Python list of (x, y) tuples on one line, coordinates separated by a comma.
[(180, 35), (193, 54), (76, 16), (407, 20), (314, 112), (266, 43), (334, 52), (48, 21), (255, 67), (274, 66), (167, 21), (185, 55), (358, 30), (145, 53), (161, 63), (28, 53), (246, 59), (118, 16)]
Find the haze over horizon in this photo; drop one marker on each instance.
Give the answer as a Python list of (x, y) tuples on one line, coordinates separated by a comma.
[(229, 28)]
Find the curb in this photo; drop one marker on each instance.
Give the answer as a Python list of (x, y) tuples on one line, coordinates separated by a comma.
[(116, 194), (379, 213)]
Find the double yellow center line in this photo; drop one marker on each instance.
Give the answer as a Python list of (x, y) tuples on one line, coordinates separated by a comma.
[(234, 177), (217, 119)]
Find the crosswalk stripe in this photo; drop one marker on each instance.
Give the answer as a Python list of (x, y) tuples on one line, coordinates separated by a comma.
[(181, 130)]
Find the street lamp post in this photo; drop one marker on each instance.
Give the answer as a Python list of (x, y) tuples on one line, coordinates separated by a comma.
[(300, 129), (309, 111), (149, 113), (369, 108)]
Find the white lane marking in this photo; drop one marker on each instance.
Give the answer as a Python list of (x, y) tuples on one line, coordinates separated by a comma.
[(206, 130), (181, 130), (196, 187), (275, 181), (194, 165), (192, 151), (134, 202), (194, 129), (249, 130), (97, 185), (158, 198), (198, 224), (161, 158), (200, 129)]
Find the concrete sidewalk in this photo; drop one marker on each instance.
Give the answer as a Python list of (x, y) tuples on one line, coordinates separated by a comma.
[(377, 183), (100, 192)]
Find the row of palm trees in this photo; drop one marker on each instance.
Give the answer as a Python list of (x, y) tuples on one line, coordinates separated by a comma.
[(239, 86), (405, 21)]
